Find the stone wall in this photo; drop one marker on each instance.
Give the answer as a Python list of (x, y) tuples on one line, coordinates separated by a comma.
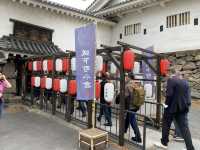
[(188, 63)]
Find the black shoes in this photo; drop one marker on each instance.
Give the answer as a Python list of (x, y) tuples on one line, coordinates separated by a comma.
[(108, 124), (138, 140)]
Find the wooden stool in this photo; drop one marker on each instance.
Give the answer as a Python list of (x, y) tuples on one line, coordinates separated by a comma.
[(93, 137)]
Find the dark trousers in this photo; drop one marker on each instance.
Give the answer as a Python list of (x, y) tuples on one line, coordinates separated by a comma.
[(106, 111), (131, 119), (182, 124), (82, 107)]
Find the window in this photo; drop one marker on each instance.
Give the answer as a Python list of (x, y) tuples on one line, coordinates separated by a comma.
[(196, 22), (178, 20), (145, 31), (161, 28), (31, 32), (132, 29), (120, 36)]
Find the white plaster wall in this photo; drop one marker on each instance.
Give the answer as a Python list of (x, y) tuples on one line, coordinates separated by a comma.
[(63, 26), (172, 39)]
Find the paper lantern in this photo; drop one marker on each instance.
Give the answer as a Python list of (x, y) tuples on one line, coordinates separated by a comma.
[(99, 63), (98, 89), (72, 87), (50, 65), (30, 65), (59, 65), (56, 85), (63, 85), (66, 65), (128, 60), (37, 81), (113, 68), (48, 83), (37, 66), (136, 69), (73, 64), (148, 90), (164, 67), (109, 92), (43, 83), (32, 81), (44, 65)]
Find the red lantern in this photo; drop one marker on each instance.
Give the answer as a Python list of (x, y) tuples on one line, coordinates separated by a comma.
[(98, 90), (50, 65), (128, 60), (56, 85), (39, 65), (72, 87), (32, 81), (65, 65), (43, 82), (164, 66), (30, 65)]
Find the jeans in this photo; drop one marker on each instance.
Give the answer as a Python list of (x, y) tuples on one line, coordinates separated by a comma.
[(107, 113), (131, 119), (1, 108), (82, 107), (182, 123)]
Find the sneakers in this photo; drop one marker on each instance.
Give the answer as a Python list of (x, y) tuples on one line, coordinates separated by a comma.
[(160, 145), (138, 140), (178, 139)]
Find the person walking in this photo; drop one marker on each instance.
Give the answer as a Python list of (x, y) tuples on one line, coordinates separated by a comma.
[(3, 85), (105, 108), (177, 104), (130, 100)]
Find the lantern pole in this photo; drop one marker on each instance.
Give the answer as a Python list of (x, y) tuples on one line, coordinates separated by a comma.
[(122, 102), (69, 98), (54, 93), (158, 84)]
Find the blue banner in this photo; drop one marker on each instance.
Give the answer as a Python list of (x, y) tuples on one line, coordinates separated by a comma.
[(85, 45)]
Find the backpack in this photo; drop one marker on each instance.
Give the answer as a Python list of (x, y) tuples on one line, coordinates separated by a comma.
[(138, 97)]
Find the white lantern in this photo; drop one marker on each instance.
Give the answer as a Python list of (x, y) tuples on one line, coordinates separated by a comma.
[(73, 64), (35, 66), (109, 92), (148, 90), (45, 65), (59, 65), (63, 85), (37, 81), (48, 83), (113, 68), (136, 69), (99, 63)]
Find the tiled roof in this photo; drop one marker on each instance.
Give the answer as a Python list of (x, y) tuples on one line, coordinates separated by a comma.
[(14, 44)]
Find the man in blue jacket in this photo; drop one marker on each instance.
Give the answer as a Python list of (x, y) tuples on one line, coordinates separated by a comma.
[(178, 101)]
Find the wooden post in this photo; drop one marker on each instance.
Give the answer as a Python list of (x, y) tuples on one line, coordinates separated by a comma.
[(122, 102), (158, 84)]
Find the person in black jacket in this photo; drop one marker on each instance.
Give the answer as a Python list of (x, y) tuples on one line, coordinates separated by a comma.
[(178, 101)]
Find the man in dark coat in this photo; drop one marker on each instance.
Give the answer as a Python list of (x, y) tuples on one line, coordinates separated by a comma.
[(178, 101)]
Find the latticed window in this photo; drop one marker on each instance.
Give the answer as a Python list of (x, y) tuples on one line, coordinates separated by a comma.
[(132, 29), (178, 20)]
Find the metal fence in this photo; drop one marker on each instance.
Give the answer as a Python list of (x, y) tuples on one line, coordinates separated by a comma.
[(56, 103)]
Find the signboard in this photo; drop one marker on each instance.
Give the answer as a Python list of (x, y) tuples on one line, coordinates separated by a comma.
[(85, 45), (148, 72)]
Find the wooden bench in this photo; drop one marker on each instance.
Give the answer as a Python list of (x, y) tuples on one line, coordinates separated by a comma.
[(93, 137)]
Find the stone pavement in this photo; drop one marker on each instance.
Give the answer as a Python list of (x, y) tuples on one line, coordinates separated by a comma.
[(36, 130)]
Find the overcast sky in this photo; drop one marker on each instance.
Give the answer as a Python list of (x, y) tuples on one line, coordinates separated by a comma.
[(80, 4)]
